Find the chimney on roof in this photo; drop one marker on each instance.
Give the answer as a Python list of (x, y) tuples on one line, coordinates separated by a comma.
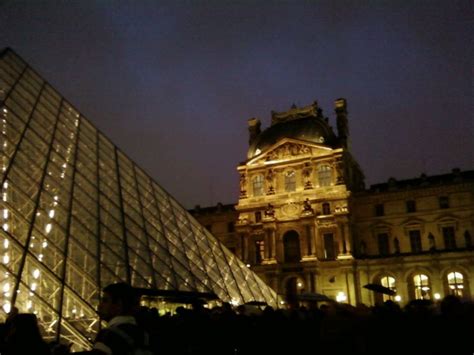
[(342, 123), (254, 129)]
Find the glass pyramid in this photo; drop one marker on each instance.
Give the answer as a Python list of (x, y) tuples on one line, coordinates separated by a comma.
[(76, 214)]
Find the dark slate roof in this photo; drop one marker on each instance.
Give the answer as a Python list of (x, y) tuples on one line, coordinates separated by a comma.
[(456, 176), (309, 129)]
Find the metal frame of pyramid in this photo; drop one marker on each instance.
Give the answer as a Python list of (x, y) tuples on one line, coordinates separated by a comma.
[(77, 214)]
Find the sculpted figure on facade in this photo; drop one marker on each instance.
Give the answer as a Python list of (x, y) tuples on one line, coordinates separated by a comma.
[(270, 211), (307, 209)]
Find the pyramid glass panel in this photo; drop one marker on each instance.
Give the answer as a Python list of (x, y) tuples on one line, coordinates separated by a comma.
[(77, 214)]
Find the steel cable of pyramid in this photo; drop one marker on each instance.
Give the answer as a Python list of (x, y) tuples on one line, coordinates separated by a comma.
[(99, 225), (134, 222), (180, 238), (229, 294), (5, 173), (122, 216), (160, 221), (68, 231), (214, 283), (140, 202), (183, 259), (32, 222)]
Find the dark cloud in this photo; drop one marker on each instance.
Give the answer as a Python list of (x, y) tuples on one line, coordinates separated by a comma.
[(173, 83)]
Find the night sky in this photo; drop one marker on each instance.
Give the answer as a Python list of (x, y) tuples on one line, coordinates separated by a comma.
[(173, 83)]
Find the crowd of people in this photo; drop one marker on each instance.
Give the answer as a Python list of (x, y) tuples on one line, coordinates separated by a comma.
[(421, 327)]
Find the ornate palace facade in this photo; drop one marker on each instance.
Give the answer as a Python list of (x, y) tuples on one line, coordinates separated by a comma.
[(306, 223)]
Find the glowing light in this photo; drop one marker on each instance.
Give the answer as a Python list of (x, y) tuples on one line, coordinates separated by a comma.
[(56, 198), (29, 305), (7, 307), (282, 302), (5, 213), (6, 287), (36, 273), (48, 228), (51, 214), (234, 302), (5, 185), (341, 297), (74, 311), (6, 243), (299, 284), (437, 296), (45, 244), (398, 298), (6, 259), (40, 257), (5, 197), (248, 265), (33, 286), (5, 226)]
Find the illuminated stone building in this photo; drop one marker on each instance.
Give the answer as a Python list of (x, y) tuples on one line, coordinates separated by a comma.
[(77, 214), (306, 223)]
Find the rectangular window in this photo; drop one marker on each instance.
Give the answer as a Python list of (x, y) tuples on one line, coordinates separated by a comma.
[(379, 210), (290, 181), (230, 227), (449, 238), (443, 202), (415, 241), (259, 251), (326, 208), (382, 239), (411, 206), (258, 217), (329, 250)]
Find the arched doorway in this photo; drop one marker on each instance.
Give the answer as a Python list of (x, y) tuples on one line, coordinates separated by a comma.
[(291, 245)]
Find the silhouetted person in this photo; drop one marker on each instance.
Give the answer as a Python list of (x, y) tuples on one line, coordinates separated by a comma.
[(123, 335), (22, 336)]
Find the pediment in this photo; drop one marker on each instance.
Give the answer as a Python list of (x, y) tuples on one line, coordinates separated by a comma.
[(288, 149)]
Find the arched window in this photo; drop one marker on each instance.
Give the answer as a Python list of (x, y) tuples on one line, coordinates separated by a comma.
[(290, 181), (422, 288), (388, 282), (291, 244), (456, 283), (257, 185), (324, 175)]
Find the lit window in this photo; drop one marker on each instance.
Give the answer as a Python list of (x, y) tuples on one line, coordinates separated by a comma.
[(422, 288), (257, 185), (290, 181), (388, 282), (324, 175), (456, 283)]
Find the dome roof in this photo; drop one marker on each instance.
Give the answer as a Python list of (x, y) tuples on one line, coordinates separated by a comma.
[(311, 129)]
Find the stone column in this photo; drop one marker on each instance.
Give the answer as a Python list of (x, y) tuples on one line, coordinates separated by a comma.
[(348, 239)]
